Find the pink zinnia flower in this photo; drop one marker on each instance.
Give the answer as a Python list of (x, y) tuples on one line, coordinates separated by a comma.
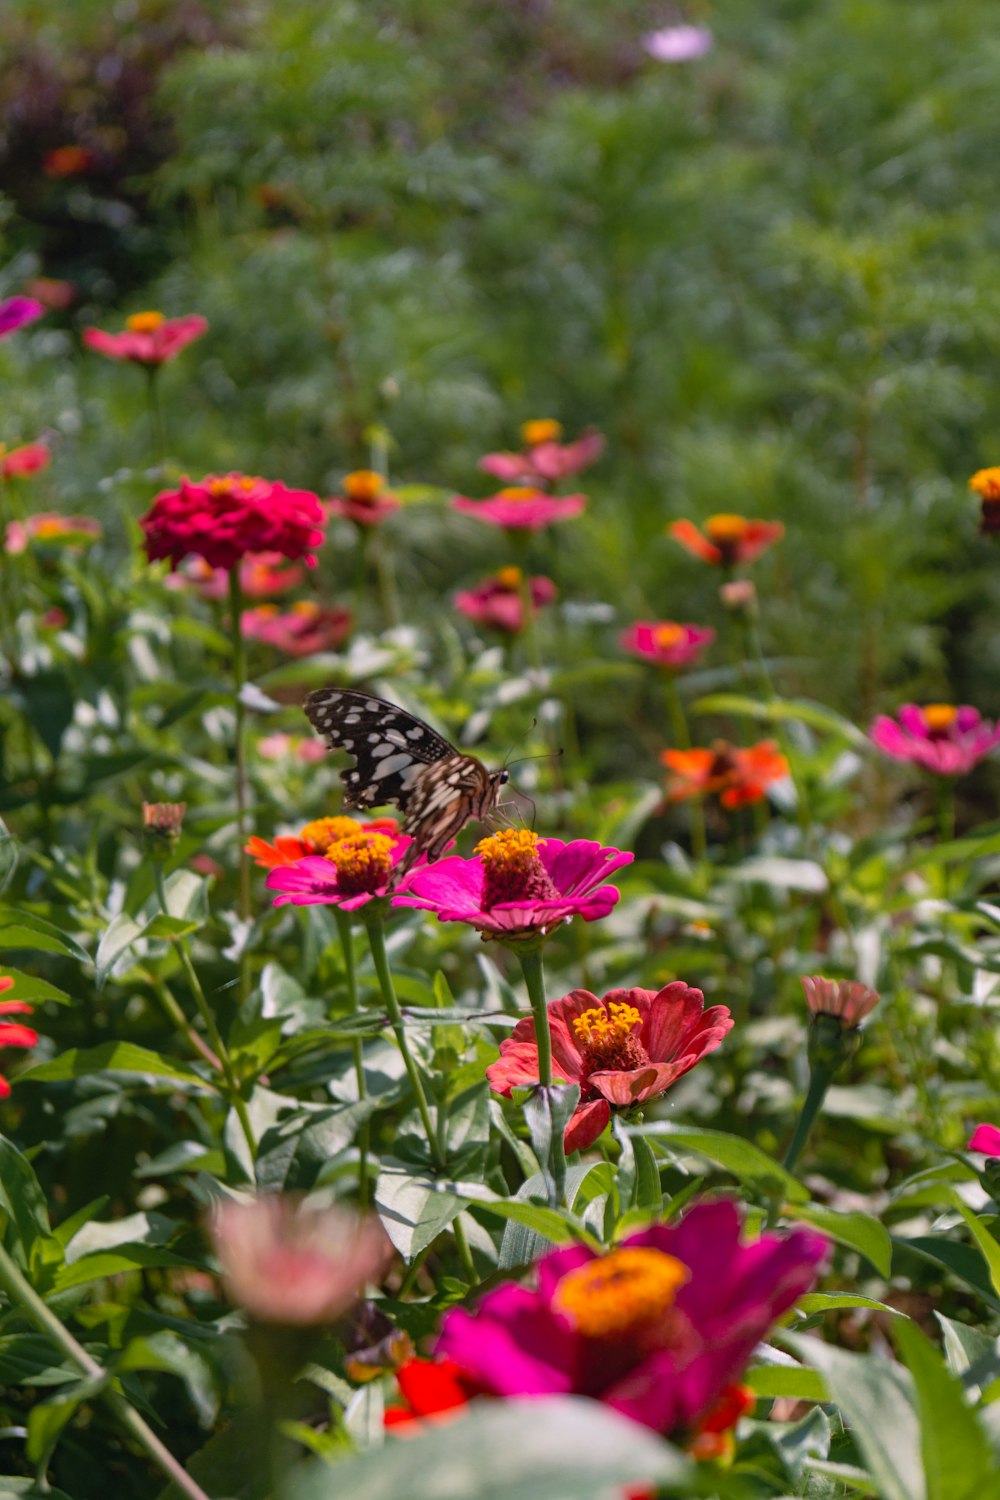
[(656, 1328), (148, 337), (622, 1050), (13, 1033), (846, 999), (365, 500), (48, 529), (545, 459), (354, 870), (518, 885), (263, 575), (304, 748), (53, 294), (985, 1138), (285, 1262), (727, 539), (666, 643), (521, 508), (498, 600), (28, 459), (305, 628), (946, 740), (676, 44), (15, 312), (222, 519)]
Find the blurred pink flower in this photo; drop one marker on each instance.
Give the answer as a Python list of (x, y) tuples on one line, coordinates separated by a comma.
[(847, 999), (148, 337), (626, 1048), (666, 643), (49, 529), (985, 1138), (225, 518), (354, 870), (15, 312), (263, 575), (303, 629), (498, 600), (521, 508), (545, 459), (946, 740), (365, 500), (286, 1262), (518, 885), (675, 44), (304, 748), (28, 459), (53, 294)]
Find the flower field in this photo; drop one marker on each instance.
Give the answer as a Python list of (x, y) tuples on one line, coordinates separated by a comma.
[(498, 753)]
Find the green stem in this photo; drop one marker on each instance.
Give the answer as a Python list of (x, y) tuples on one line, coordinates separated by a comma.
[(239, 679), (177, 1017), (820, 1080), (682, 736), (156, 413), (357, 1047), (23, 1295), (211, 1026), (376, 939), (534, 979), (464, 1253)]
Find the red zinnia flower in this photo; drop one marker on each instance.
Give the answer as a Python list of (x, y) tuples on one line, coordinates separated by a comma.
[(222, 519), (737, 776), (148, 337), (303, 629), (622, 1050), (667, 644), (13, 1033), (498, 600), (430, 1387), (27, 459), (727, 539), (521, 508), (365, 499)]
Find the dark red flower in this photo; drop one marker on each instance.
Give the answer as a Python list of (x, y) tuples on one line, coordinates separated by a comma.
[(223, 518)]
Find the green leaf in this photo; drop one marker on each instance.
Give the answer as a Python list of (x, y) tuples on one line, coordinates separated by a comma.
[(857, 1230), (47, 1419), (132, 1229), (743, 1159), (116, 1263), (821, 1302), (547, 1113), (115, 1057), (468, 1129), (784, 710), (414, 1209), (166, 1351), (31, 1359), (47, 701), (119, 936), (8, 856), (21, 1195), (30, 987), (24, 929), (970, 1354), (294, 1153), (987, 1244), (958, 1459), (522, 1244), (559, 1448), (963, 1261)]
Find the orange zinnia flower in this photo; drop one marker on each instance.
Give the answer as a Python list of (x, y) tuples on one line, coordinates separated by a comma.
[(736, 776), (315, 838), (727, 539)]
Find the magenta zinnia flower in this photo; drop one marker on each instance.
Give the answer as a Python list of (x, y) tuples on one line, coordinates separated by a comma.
[(622, 1050), (545, 458), (946, 740), (222, 519), (521, 508), (15, 312), (148, 337), (666, 643), (985, 1138), (657, 1328), (365, 499), (305, 628), (498, 600), (355, 869), (519, 885)]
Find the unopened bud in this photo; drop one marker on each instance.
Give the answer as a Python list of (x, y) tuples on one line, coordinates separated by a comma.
[(161, 827), (740, 596)]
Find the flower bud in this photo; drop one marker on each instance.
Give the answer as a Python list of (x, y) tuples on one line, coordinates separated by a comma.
[(161, 827)]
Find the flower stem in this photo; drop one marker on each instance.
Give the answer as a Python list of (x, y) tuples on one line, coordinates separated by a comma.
[(376, 940), (239, 679), (156, 413), (357, 1047), (534, 979), (820, 1080), (24, 1296), (682, 736)]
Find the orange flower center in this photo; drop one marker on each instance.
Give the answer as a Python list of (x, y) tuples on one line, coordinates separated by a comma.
[(726, 528), (363, 486), (519, 492), (608, 1040), (622, 1293), (363, 862), (667, 636), (322, 832), (144, 322), (939, 717), (986, 484), (514, 870), (541, 430), (307, 607), (51, 526), (510, 579)]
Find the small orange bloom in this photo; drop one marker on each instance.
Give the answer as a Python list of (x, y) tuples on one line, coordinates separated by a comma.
[(735, 775), (317, 837), (727, 539), (986, 484)]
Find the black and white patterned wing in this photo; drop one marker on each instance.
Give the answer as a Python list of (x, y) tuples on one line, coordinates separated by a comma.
[(391, 749)]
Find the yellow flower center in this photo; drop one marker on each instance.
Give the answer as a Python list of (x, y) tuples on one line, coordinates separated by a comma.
[(939, 717), (51, 526), (510, 578), (144, 322), (514, 870), (622, 1293), (726, 527), (519, 492), (322, 832), (265, 611), (986, 484), (541, 430), (608, 1038), (363, 862), (363, 486), (667, 636), (599, 1022), (307, 607)]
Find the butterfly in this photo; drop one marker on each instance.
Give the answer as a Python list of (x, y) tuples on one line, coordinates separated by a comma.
[(400, 759)]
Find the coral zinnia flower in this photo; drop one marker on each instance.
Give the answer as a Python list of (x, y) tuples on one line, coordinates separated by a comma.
[(27, 459), (353, 871), (545, 460), (263, 575), (222, 519), (289, 1263), (847, 1000), (15, 312), (305, 628), (13, 1033), (985, 1138), (365, 500), (656, 1328), (737, 776), (48, 529), (315, 838), (667, 644), (519, 885), (622, 1050), (522, 508), (946, 740), (498, 600), (727, 539), (300, 747), (148, 337)]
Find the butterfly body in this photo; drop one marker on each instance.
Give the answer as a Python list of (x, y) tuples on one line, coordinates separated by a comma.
[(399, 759)]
